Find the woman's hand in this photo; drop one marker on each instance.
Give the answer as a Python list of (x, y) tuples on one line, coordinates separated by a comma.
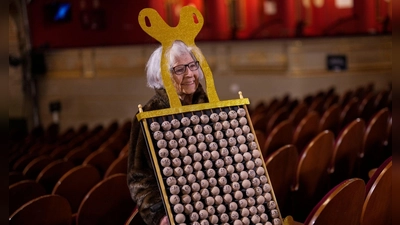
[(164, 221)]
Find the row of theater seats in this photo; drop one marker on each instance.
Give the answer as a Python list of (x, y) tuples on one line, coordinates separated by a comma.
[(77, 177), (309, 154)]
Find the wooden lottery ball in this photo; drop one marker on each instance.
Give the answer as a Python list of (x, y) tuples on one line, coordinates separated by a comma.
[(204, 183), (206, 155), (267, 196), (234, 215), (277, 221), (209, 200), (175, 123), (223, 152), (210, 209), (255, 219), (245, 221), (218, 135), (197, 157), (181, 180), (200, 137), (187, 160), (188, 208), (183, 151), (185, 121), (226, 125), (207, 164), (211, 173), (246, 184), (271, 205), (158, 135), (204, 119), (187, 131), (241, 139), (196, 196), (256, 154), (222, 172), (263, 217), (192, 140), (168, 171), (217, 126), (199, 175), (174, 199), (198, 129), (207, 129), (154, 126), (250, 192), (186, 189), (218, 199), (253, 145), (168, 135), (239, 167), (209, 138), (234, 177), (268, 223), (214, 191), (198, 205), (243, 205), (229, 133), (201, 146), (260, 208), (166, 125), (250, 137), (195, 119), (171, 181), (252, 210), (165, 162), (238, 131), (238, 158), (228, 160), (227, 189), (266, 187), (174, 153), (161, 143), (219, 162), (215, 156), (172, 143), (238, 195), (222, 143), (203, 214), (242, 121), (258, 191), (212, 146), (180, 218), (213, 219), (224, 218), (223, 115), (204, 222), (212, 181), (178, 208), (234, 150), (222, 181), (214, 117), (235, 186), (243, 175), (243, 148), (246, 156), (274, 213), (230, 169), (178, 171), (194, 216), (234, 123), (233, 206), (241, 112), (251, 173), (182, 142), (232, 114), (246, 129), (177, 133), (221, 209), (263, 179), (188, 169), (250, 165), (260, 171), (232, 141), (163, 153), (227, 198), (255, 182)]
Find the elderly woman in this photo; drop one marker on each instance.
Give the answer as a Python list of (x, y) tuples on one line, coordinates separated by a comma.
[(185, 74)]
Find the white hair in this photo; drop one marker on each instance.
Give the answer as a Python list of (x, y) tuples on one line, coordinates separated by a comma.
[(153, 66)]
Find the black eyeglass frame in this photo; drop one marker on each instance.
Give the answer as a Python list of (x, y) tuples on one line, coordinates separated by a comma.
[(196, 63)]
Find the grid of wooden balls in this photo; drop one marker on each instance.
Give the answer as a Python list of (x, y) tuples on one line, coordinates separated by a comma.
[(212, 168)]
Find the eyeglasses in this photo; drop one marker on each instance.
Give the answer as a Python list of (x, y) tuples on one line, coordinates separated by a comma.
[(181, 69)]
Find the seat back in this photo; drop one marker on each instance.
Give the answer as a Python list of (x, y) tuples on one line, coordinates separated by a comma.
[(108, 202), (119, 165), (378, 201), (278, 116), (49, 175), (330, 119), (43, 210), (22, 192), (76, 183), (349, 112), (101, 159), (135, 218), (280, 136), (306, 130), (32, 170), (298, 113), (341, 205)]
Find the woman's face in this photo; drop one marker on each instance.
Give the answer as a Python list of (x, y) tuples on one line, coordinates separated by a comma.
[(186, 83)]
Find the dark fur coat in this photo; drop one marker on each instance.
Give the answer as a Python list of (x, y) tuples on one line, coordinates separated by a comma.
[(141, 177)]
